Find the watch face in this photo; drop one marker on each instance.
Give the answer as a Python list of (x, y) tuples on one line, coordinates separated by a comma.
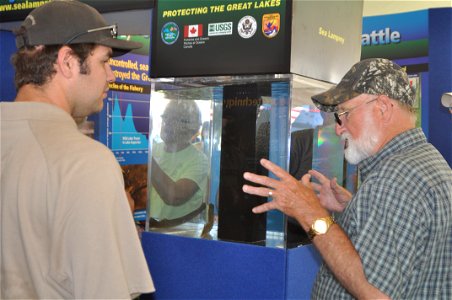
[(320, 226)]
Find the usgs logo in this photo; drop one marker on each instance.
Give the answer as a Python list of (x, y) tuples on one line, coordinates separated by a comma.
[(216, 29), (381, 37)]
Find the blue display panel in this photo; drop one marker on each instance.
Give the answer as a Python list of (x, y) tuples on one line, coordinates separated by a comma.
[(421, 42), (8, 47), (402, 37), (128, 125), (123, 124)]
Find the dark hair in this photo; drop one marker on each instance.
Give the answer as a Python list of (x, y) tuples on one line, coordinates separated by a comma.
[(34, 65)]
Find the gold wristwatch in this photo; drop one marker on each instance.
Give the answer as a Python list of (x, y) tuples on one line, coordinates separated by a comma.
[(320, 226)]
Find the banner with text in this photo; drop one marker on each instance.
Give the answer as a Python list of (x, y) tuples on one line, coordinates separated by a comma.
[(400, 37), (218, 37), (17, 10), (123, 124)]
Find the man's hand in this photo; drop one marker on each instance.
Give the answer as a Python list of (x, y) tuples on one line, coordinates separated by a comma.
[(332, 196), (289, 195)]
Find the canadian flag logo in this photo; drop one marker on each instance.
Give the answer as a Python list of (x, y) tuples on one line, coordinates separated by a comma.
[(192, 30)]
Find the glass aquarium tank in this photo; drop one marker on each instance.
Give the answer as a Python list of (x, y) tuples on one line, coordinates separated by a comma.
[(205, 132)]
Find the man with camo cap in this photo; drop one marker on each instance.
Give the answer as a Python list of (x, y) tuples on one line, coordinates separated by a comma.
[(393, 238), (371, 76)]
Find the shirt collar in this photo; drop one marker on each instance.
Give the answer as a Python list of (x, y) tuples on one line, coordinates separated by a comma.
[(398, 144)]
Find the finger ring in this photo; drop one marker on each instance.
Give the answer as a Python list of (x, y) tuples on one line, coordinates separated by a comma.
[(270, 193)]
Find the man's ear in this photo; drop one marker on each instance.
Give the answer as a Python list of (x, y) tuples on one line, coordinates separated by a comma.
[(66, 61), (386, 108)]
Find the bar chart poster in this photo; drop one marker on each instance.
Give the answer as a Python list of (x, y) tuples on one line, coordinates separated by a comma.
[(125, 117)]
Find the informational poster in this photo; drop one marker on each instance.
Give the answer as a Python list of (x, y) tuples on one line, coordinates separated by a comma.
[(400, 37), (220, 37), (124, 122), (17, 10), (404, 39)]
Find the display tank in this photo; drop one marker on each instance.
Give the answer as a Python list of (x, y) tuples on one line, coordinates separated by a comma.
[(205, 132)]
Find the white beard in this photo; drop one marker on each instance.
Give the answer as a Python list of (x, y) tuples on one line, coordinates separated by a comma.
[(364, 146)]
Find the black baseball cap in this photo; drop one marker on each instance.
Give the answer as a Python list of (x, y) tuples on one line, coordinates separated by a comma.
[(64, 22), (374, 76)]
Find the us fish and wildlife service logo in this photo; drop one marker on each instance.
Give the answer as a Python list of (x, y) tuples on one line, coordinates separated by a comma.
[(271, 24), (170, 33), (247, 27)]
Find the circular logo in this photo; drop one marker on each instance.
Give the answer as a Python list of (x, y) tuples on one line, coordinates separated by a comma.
[(247, 27), (170, 33)]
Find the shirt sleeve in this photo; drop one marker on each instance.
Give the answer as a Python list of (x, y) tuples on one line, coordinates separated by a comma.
[(195, 168)]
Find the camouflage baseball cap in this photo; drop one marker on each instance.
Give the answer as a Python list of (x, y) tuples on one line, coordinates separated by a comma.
[(374, 76)]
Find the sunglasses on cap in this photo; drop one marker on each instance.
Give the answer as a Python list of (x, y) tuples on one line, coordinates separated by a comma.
[(113, 32)]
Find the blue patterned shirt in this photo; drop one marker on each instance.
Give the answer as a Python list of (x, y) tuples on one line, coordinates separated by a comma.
[(400, 222)]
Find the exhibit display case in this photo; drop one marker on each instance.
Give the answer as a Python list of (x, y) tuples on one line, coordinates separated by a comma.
[(246, 74), (205, 132)]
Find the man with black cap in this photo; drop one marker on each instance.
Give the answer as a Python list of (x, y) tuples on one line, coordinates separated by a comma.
[(67, 231), (393, 238)]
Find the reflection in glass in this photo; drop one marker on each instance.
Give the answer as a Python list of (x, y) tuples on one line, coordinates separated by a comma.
[(243, 119), (179, 168)]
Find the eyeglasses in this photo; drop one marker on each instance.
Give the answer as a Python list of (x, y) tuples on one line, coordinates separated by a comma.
[(113, 32), (337, 116)]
